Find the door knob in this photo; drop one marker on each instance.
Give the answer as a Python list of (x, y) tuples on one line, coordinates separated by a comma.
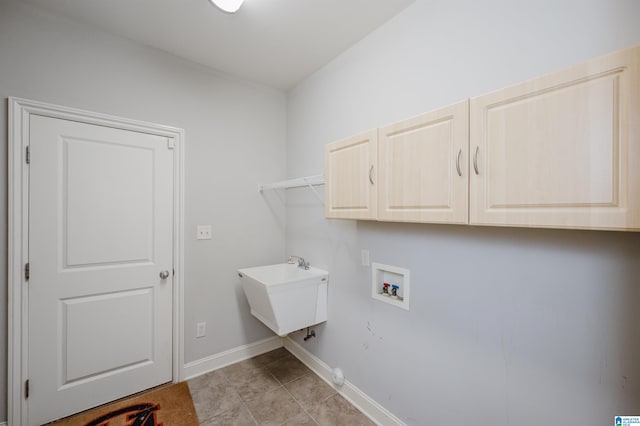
[(164, 275)]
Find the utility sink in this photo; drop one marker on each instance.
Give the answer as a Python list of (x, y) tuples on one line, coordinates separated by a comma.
[(282, 273), (286, 297)]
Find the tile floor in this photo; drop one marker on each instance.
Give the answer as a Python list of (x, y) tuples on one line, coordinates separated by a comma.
[(271, 389)]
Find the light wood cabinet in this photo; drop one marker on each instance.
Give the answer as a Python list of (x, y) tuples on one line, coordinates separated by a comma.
[(423, 174), (350, 170), (560, 151)]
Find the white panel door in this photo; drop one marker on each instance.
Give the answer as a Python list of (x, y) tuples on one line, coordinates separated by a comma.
[(100, 235)]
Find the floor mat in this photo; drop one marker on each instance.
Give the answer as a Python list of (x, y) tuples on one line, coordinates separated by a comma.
[(165, 406)]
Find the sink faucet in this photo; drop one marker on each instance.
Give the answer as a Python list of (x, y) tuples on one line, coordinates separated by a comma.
[(301, 262)]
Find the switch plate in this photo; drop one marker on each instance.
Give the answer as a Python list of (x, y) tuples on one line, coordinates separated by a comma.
[(364, 257), (204, 232), (201, 329)]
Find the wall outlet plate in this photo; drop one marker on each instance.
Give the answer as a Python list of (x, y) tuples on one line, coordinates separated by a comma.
[(201, 329), (204, 232), (364, 257)]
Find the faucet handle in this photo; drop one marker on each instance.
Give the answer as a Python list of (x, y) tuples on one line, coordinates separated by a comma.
[(301, 262)]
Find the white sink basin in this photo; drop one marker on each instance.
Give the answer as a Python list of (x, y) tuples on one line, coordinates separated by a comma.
[(286, 297), (282, 273)]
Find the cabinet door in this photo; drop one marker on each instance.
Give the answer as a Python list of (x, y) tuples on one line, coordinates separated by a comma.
[(562, 150), (423, 167), (350, 173)]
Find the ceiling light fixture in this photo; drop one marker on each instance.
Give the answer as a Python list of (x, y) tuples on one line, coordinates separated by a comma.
[(229, 6)]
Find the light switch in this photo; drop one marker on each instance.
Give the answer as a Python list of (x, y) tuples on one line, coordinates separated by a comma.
[(204, 232)]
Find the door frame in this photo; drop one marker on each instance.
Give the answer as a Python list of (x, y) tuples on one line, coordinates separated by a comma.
[(20, 111)]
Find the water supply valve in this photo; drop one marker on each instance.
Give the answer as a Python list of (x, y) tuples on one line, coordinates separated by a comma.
[(385, 289), (394, 291)]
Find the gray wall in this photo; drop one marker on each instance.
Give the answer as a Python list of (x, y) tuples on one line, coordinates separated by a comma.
[(507, 326), (235, 139)]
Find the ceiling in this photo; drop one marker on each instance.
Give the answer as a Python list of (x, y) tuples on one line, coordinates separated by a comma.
[(274, 42)]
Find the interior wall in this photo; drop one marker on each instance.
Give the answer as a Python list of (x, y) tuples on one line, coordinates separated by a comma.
[(235, 140), (507, 326)]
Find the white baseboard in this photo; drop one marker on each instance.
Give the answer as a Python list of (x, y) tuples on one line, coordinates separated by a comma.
[(376, 412), (222, 359)]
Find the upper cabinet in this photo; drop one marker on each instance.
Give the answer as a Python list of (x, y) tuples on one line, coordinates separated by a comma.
[(350, 168), (423, 167), (560, 151)]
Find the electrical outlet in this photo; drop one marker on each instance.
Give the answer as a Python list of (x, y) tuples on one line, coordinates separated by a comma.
[(204, 232), (364, 257), (201, 329)]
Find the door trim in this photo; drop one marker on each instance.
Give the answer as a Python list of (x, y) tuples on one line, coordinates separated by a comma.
[(20, 111)]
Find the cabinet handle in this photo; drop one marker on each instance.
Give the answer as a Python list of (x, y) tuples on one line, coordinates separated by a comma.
[(370, 176), (475, 160), (458, 163)]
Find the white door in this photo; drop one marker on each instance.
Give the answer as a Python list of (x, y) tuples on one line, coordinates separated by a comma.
[(100, 241)]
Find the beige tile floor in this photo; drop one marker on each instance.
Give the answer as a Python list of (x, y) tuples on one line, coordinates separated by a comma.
[(271, 389)]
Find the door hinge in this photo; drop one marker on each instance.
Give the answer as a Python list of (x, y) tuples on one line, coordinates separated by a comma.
[(171, 143), (28, 154), (26, 271), (26, 389)]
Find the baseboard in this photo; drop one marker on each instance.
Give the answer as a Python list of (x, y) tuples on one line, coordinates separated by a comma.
[(349, 391), (222, 359), (3, 423)]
